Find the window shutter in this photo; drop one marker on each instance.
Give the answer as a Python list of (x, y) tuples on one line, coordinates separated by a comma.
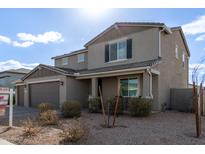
[(106, 53), (129, 48)]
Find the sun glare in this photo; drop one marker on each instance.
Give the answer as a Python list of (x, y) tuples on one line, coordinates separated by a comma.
[(94, 12)]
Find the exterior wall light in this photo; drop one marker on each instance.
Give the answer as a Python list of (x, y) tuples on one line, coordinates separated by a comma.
[(61, 83)]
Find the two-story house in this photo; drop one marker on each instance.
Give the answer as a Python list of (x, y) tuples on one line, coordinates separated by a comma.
[(128, 59)]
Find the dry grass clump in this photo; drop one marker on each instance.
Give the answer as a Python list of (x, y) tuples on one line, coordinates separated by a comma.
[(30, 128), (49, 117), (74, 133), (43, 107)]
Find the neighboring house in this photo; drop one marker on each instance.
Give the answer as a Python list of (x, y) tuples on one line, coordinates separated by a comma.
[(8, 77), (128, 59)]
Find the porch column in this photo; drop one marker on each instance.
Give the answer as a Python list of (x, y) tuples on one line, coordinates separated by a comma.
[(26, 95), (16, 95), (94, 89), (147, 85)]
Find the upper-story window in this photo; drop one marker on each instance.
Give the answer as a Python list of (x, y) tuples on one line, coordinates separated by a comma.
[(118, 50), (176, 52), (183, 60), (81, 58), (65, 61)]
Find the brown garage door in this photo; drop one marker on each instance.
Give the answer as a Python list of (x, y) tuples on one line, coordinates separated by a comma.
[(20, 95), (44, 92)]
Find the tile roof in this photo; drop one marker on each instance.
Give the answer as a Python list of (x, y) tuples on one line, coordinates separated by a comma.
[(121, 67), (17, 71), (70, 53), (71, 72), (67, 71)]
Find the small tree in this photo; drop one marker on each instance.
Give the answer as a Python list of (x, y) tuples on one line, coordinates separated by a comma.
[(198, 78)]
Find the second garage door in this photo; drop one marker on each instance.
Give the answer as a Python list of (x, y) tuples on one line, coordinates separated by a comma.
[(44, 92), (20, 95)]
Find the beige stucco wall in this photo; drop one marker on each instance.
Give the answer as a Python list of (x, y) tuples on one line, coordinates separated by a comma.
[(172, 73), (155, 92), (77, 90), (145, 46), (109, 87), (73, 62)]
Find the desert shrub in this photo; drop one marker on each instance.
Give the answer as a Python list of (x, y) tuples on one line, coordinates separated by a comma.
[(48, 117), (85, 104), (112, 103), (140, 106), (94, 105), (43, 107), (30, 128), (71, 109), (72, 134)]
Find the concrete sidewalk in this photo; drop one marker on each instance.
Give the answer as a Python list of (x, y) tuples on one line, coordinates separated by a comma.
[(4, 142)]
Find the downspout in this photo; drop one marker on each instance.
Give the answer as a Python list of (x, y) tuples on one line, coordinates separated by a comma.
[(160, 40), (150, 83)]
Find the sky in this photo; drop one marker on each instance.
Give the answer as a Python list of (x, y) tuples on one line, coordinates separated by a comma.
[(32, 36)]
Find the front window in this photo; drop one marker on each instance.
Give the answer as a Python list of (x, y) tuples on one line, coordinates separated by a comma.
[(129, 87), (65, 61), (118, 50), (81, 58)]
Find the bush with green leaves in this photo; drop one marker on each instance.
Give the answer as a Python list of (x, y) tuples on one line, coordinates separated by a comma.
[(112, 103), (94, 105), (140, 107), (71, 109), (43, 107)]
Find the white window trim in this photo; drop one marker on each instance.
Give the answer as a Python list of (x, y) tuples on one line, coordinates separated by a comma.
[(117, 42), (81, 61), (65, 61), (130, 77), (177, 52), (183, 59)]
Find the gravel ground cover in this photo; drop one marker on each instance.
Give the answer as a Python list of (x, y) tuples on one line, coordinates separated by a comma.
[(160, 128), (19, 115)]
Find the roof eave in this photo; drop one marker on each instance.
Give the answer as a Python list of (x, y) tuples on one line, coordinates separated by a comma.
[(183, 37), (128, 24), (62, 72), (107, 73), (70, 54)]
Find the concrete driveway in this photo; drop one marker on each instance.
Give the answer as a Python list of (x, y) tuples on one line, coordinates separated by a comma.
[(4, 142), (19, 115)]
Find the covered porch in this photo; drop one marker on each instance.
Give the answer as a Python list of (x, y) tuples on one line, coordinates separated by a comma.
[(137, 83)]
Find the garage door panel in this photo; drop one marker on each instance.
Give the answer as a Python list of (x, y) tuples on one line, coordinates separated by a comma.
[(44, 92), (20, 93)]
